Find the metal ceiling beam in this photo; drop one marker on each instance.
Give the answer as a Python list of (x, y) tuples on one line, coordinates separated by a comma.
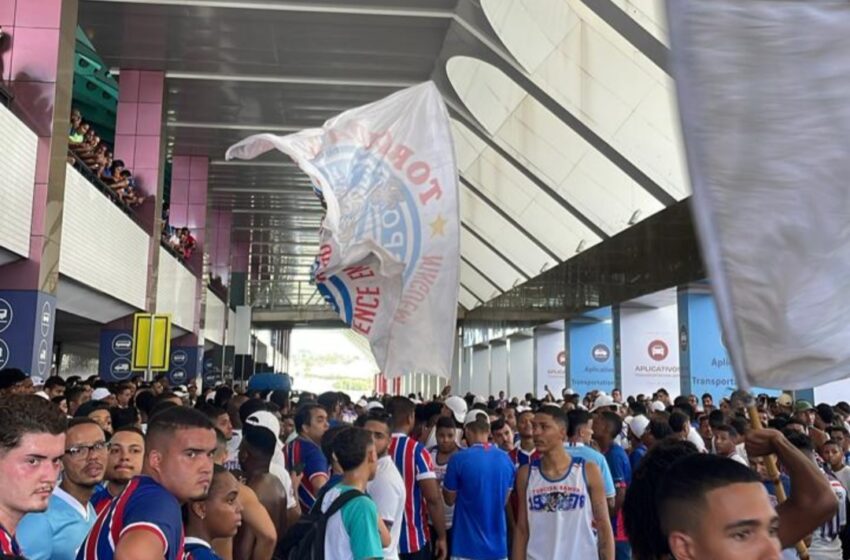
[(490, 246), (498, 209), (278, 79), (302, 7), (275, 212), (472, 125), (470, 292), (481, 273), (231, 126)]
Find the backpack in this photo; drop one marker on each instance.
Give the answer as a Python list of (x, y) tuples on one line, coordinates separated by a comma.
[(306, 539)]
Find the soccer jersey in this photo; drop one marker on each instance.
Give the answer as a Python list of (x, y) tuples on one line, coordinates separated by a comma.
[(352, 533), (520, 456), (440, 471), (143, 506), (415, 464), (387, 490), (8, 544), (482, 476), (303, 451), (101, 499), (197, 549), (560, 515), (56, 534), (621, 473), (590, 455)]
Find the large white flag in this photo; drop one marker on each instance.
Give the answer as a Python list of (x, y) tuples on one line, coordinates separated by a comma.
[(764, 94), (389, 243)]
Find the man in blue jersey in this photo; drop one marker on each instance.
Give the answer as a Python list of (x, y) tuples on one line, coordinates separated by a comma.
[(304, 454), (421, 488), (580, 435), (478, 483), (145, 522), (32, 442), (608, 427), (126, 453), (56, 534)]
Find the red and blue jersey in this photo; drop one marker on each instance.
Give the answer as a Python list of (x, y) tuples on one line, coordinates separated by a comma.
[(8, 544), (522, 457), (303, 451), (415, 464), (197, 549), (101, 499), (145, 505)]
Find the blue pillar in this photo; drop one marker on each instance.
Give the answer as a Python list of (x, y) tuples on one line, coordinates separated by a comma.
[(27, 320)]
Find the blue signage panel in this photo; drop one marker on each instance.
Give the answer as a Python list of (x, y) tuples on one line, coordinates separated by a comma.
[(184, 365), (27, 320), (115, 349), (710, 369), (592, 355)]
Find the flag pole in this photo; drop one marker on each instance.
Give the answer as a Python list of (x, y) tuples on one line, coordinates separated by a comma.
[(770, 460)]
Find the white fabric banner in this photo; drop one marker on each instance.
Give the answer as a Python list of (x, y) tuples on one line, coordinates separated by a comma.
[(763, 93), (389, 243)]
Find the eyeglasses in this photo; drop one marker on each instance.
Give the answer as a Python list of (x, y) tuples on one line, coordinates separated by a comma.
[(79, 451)]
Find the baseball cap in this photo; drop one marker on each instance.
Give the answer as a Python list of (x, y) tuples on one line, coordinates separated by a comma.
[(473, 415), (785, 400), (37, 380), (602, 401), (264, 419), (657, 406), (479, 400), (373, 405), (638, 425), (362, 403), (458, 407), (803, 406), (100, 393), (568, 392)]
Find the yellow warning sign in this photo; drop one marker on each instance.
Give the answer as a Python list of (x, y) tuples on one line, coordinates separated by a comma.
[(151, 342)]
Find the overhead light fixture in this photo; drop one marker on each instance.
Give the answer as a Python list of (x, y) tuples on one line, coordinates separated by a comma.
[(635, 217)]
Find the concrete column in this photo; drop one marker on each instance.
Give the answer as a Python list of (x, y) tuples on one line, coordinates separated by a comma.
[(498, 366), (521, 365), (36, 63), (465, 372), (220, 223), (480, 382)]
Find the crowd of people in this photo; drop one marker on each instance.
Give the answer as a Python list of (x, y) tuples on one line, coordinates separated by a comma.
[(145, 470), (96, 155)]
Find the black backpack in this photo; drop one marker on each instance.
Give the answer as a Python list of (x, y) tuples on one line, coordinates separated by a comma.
[(306, 539)]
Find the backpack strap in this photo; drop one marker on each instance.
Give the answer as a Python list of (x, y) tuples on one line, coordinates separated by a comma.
[(340, 501)]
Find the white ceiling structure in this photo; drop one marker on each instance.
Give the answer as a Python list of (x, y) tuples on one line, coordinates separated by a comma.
[(564, 118)]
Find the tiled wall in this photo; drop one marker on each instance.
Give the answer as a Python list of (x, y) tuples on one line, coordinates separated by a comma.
[(18, 146), (176, 291), (102, 247)]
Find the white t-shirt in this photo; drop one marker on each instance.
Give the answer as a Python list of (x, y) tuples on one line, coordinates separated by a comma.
[(696, 439), (387, 490)]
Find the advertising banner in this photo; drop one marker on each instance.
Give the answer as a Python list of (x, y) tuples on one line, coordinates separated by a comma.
[(551, 360), (592, 355), (649, 350)]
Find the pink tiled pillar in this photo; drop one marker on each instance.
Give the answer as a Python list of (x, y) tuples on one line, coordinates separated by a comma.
[(188, 202), (36, 64), (139, 135)]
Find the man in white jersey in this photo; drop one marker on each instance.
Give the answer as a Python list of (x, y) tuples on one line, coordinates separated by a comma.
[(563, 511)]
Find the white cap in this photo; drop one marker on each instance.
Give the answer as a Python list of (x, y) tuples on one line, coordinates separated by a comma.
[(638, 425), (362, 403), (373, 405), (602, 401), (100, 393), (657, 406), (43, 395), (473, 415), (520, 409), (458, 407), (479, 400), (568, 392), (264, 419), (37, 381)]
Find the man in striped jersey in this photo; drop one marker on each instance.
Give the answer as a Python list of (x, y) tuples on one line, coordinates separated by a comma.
[(145, 521), (421, 488), (304, 454), (32, 442)]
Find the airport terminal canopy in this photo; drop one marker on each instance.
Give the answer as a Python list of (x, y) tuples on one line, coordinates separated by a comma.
[(563, 113)]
